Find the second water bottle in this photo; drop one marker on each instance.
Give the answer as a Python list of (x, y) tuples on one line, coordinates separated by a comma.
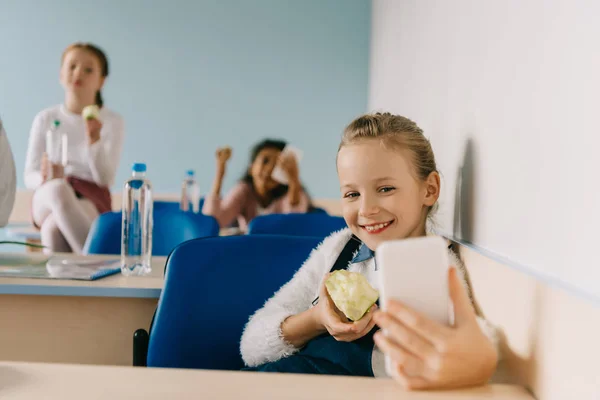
[(190, 193)]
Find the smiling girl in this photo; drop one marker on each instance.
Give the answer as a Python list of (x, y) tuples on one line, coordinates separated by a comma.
[(389, 184)]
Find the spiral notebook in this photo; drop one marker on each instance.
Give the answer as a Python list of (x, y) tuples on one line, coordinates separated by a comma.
[(63, 268)]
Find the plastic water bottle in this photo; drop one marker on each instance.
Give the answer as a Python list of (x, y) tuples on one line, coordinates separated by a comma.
[(190, 193), (56, 145), (136, 238)]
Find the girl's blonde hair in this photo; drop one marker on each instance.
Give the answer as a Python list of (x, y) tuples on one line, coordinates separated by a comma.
[(394, 131)]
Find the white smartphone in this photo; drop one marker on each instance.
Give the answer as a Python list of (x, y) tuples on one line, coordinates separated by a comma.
[(415, 272)]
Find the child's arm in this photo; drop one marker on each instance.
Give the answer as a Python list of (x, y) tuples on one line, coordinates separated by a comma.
[(263, 340), (223, 155), (226, 210), (299, 329), (295, 203), (35, 151), (104, 154), (296, 200), (295, 192)]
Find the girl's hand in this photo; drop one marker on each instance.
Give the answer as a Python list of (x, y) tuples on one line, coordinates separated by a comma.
[(429, 355), (93, 128), (332, 320), (223, 155), (290, 166), (49, 170)]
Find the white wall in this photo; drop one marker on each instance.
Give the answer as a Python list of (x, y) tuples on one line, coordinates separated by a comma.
[(520, 82)]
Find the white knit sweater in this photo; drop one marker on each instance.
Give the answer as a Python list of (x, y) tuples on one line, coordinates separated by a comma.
[(262, 340)]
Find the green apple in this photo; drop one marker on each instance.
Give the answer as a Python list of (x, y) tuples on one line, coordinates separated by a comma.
[(351, 293), (91, 112)]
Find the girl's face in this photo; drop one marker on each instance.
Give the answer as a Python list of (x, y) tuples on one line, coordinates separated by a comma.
[(262, 168), (81, 72), (381, 199)]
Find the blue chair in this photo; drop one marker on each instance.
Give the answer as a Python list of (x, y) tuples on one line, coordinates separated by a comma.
[(312, 224), (171, 228), (160, 205), (212, 287)]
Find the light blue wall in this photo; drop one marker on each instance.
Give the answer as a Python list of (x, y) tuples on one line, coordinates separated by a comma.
[(189, 76)]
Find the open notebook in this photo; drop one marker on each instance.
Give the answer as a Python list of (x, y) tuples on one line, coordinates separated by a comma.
[(57, 268)]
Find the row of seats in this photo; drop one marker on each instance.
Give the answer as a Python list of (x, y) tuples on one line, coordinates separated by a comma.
[(213, 284), (173, 227)]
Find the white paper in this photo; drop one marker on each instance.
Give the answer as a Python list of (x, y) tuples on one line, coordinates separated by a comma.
[(278, 173), (78, 268)]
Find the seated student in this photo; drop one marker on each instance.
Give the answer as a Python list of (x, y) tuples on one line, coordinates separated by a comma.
[(389, 184), (65, 206), (257, 193), (8, 178)]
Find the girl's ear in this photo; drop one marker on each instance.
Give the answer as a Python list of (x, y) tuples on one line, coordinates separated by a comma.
[(432, 189)]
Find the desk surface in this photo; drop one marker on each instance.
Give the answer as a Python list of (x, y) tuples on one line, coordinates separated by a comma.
[(112, 286), (25, 231), (60, 381)]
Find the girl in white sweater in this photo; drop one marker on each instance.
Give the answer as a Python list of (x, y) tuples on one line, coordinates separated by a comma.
[(68, 199), (389, 185)]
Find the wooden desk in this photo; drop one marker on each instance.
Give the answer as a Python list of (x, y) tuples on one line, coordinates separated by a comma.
[(19, 381), (76, 321)]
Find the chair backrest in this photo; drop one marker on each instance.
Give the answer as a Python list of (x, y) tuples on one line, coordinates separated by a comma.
[(171, 228), (104, 236), (162, 205), (212, 287), (317, 224)]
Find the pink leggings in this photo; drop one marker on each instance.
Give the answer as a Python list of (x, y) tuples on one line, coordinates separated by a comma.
[(65, 220)]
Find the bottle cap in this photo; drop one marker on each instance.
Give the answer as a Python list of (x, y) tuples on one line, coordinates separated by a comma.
[(139, 167)]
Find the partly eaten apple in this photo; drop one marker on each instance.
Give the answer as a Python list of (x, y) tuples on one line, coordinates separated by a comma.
[(351, 293), (91, 112)]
